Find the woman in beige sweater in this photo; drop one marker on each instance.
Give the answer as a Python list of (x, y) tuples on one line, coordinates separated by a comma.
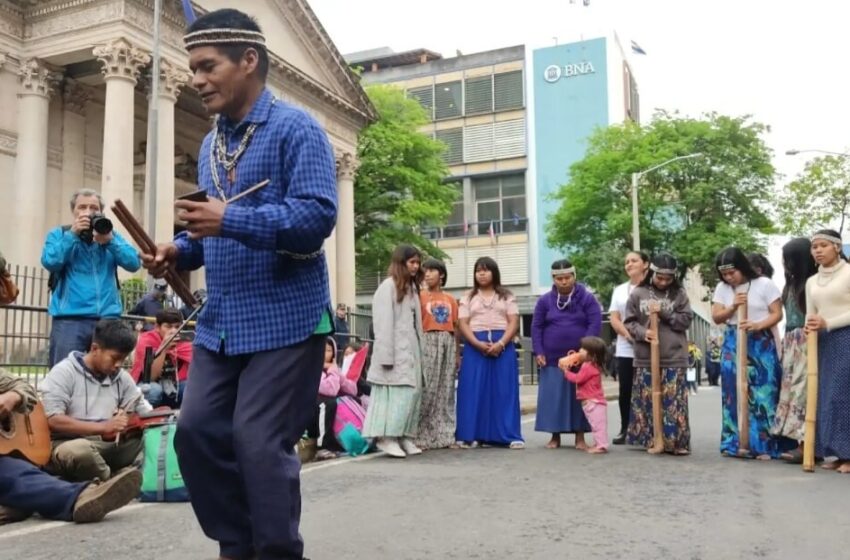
[(828, 306)]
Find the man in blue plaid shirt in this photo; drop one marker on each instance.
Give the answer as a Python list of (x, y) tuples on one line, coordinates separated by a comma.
[(260, 338)]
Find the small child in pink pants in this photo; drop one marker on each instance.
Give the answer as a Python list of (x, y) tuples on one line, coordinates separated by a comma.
[(589, 391)]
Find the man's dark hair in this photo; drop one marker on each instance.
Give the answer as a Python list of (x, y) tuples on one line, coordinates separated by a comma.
[(169, 316), (234, 19), (114, 334)]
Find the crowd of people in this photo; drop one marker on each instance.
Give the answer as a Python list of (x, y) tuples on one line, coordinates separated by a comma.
[(264, 366)]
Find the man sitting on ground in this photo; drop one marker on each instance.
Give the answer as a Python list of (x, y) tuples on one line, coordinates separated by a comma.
[(88, 396), (24, 489), (168, 372)]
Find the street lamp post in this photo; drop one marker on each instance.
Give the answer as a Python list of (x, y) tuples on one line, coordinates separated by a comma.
[(635, 181), (795, 152)]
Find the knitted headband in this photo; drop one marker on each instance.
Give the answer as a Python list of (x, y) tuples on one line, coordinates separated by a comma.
[(560, 271), (827, 237), (206, 37), (657, 270)]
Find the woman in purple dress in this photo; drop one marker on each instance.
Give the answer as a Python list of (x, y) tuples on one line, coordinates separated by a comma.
[(561, 318)]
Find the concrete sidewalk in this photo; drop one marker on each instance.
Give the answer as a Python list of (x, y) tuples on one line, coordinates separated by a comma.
[(528, 395)]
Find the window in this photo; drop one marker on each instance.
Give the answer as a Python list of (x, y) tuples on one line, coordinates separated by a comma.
[(425, 97), (448, 100), (484, 142), (500, 200), (479, 95), (453, 139), (456, 220), (508, 90)]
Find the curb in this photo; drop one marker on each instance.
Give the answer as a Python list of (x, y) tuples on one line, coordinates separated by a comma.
[(532, 408)]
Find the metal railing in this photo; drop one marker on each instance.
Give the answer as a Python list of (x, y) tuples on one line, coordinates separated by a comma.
[(476, 229), (26, 328)]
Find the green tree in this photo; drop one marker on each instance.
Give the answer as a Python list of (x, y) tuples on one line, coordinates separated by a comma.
[(818, 198), (399, 185), (693, 208)]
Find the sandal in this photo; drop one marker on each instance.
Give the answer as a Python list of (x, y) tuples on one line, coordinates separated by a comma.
[(795, 457), (517, 445)]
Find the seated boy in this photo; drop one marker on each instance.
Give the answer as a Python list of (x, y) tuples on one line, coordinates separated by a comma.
[(88, 396), (169, 371)]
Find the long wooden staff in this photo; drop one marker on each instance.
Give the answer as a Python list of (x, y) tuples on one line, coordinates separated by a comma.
[(743, 387), (146, 244), (655, 370), (811, 401)]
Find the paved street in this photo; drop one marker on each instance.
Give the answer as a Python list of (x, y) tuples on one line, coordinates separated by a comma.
[(493, 503)]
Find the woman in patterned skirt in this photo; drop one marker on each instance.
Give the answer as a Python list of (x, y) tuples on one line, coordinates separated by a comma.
[(741, 285), (828, 305), (660, 292), (439, 360), (790, 419)]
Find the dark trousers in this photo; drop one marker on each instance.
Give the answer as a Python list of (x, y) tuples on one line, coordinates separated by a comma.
[(67, 335), (329, 441), (27, 488), (625, 375), (712, 369), (240, 421)]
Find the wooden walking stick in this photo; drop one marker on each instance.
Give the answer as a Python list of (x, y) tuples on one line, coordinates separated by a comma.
[(811, 401), (743, 387), (655, 370)]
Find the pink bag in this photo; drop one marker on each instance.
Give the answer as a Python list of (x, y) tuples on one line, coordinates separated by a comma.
[(348, 411)]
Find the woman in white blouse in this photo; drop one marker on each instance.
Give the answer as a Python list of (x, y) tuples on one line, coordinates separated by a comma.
[(741, 285)]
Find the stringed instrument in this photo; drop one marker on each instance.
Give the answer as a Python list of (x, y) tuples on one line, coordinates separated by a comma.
[(137, 422), (27, 436)]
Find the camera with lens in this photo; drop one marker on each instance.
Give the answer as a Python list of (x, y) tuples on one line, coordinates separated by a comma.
[(98, 223)]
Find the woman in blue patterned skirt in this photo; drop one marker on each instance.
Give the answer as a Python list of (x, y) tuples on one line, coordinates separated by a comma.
[(741, 285)]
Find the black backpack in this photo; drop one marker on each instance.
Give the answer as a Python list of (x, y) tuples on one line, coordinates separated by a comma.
[(54, 277)]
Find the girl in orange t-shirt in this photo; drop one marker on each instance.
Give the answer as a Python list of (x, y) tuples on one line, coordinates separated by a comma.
[(439, 360)]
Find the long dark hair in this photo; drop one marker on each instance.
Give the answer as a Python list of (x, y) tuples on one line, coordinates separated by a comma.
[(738, 260), (760, 262), (799, 266), (596, 350), (663, 261), (398, 270), (487, 263)]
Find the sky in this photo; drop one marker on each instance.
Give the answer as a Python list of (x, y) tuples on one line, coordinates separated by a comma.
[(782, 61)]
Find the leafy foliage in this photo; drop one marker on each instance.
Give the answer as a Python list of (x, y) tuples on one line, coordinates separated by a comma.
[(692, 208), (400, 183), (818, 198)]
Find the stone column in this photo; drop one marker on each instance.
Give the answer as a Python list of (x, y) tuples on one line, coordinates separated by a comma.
[(36, 87), (345, 268), (171, 79), (122, 62), (75, 97)]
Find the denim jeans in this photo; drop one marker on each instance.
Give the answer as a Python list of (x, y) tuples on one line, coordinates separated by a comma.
[(156, 396), (67, 335), (31, 490)]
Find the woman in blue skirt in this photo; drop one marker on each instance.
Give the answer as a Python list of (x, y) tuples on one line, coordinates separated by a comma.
[(562, 318), (828, 305), (741, 285), (488, 385)]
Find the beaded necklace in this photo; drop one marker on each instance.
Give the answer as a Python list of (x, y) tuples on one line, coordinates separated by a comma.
[(228, 160)]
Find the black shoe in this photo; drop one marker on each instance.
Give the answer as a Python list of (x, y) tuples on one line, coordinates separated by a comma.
[(620, 439)]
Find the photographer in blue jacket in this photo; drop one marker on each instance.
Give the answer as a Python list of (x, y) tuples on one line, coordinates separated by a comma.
[(83, 261)]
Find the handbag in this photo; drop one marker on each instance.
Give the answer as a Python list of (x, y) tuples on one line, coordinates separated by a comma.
[(8, 290)]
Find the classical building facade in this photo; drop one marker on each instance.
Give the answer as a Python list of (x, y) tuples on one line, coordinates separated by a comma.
[(74, 87)]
